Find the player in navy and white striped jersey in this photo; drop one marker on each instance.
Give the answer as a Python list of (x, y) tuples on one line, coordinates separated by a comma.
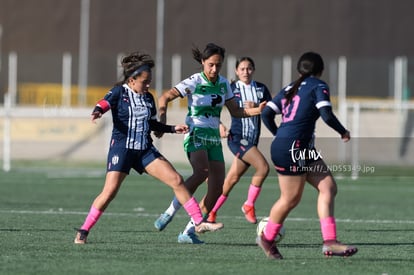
[(134, 117), (243, 139), (295, 158)]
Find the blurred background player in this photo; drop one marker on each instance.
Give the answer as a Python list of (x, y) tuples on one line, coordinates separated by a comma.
[(134, 117), (207, 93), (243, 139), (295, 158)]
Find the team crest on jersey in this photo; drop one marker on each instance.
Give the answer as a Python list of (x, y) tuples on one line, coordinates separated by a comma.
[(259, 92)]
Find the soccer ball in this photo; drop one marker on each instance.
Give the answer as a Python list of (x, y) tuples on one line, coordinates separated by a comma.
[(262, 224)]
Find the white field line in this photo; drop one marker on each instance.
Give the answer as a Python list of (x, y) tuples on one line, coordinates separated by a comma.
[(141, 214)]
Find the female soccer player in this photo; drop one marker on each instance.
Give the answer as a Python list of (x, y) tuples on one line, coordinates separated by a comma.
[(207, 93), (295, 158), (243, 139), (134, 117)]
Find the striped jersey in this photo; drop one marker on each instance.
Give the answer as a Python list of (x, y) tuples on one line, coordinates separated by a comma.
[(131, 113), (205, 99), (248, 128)]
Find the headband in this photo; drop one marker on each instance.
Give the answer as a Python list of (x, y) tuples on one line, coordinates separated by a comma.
[(140, 69)]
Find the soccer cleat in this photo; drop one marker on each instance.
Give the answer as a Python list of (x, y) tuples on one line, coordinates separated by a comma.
[(269, 248), (189, 238), (212, 217), (249, 213), (335, 248), (163, 220), (81, 236), (208, 227)]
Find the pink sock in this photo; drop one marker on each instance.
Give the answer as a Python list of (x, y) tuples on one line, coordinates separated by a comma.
[(271, 230), (92, 218), (220, 201), (252, 195), (193, 209), (328, 228)]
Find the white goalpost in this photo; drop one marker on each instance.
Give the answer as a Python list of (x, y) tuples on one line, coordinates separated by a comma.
[(397, 128)]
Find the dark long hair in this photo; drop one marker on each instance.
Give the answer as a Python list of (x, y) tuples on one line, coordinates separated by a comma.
[(210, 49), (310, 63), (134, 64)]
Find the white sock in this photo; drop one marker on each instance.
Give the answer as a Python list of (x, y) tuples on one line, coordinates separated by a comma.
[(173, 208), (190, 228)]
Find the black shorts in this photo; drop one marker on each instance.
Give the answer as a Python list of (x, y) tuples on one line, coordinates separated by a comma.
[(239, 147), (122, 159)]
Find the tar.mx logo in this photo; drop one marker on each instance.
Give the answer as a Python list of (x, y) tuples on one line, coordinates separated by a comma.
[(301, 154)]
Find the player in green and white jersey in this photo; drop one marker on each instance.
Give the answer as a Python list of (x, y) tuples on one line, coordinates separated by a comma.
[(205, 102), (207, 92)]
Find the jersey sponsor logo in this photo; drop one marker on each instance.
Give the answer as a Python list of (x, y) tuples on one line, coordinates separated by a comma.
[(216, 99), (139, 109)]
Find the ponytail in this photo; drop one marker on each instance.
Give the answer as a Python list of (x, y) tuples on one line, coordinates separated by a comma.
[(309, 64), (210, 49), (294, 90)]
